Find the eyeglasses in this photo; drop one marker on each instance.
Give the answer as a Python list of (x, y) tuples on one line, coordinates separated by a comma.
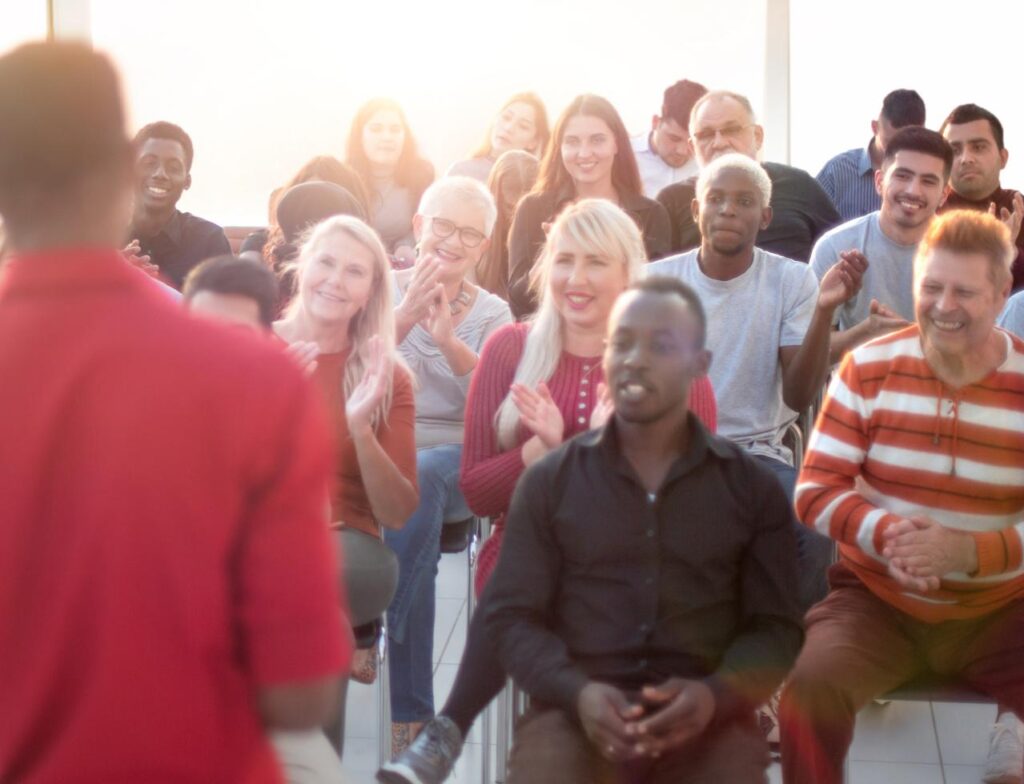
[(445, 228), (729, 132)]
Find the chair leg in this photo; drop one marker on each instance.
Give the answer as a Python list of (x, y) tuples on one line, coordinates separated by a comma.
[(383, 699)]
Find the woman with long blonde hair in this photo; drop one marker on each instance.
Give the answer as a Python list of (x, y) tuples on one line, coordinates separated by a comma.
[(536, 385), (342, 324)]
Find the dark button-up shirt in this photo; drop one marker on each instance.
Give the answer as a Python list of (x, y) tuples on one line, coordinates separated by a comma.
[(597, 581), (801, 212), (181, 244)]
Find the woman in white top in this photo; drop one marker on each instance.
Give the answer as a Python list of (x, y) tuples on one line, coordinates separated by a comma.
[(442, 321)]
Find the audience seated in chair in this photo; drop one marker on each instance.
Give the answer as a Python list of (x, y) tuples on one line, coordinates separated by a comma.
[(768, 327), (664, 153), (442, 323), (170, 240), (914, 469), (911, 182), (627, 685)]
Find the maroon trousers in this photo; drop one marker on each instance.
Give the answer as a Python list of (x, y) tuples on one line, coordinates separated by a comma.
[(549, 748), (859, 647)]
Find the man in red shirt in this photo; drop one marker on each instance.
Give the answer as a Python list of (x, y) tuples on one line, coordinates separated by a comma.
[(167, 588)]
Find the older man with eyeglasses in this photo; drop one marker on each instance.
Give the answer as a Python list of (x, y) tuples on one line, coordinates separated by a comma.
[(723, 122)]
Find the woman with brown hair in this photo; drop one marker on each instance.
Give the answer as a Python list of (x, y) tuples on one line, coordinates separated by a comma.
[(589, 157), (382, 149), (513, 175), (522, 124)]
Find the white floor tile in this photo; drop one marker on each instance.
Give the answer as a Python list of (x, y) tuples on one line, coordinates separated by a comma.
[(897, 732), (963, 731), (963, 774), (361, 711), (451, 576), (452, 653), (894, 773), (446, 620)]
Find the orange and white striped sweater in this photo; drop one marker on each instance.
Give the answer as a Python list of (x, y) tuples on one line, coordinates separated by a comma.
[(893, 441)]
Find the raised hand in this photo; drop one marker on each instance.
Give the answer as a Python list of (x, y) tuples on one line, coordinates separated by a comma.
[(883, 319), (438, 321), (368, 393), (1012, 219), (133, 255), (843, 280), (539, 413), (304, 352), (420, 294)]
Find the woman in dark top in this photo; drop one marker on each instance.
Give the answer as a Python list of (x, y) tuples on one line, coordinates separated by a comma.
[(589, 156)]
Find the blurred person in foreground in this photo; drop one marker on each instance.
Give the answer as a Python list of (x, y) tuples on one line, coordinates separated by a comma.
[(170, 586)]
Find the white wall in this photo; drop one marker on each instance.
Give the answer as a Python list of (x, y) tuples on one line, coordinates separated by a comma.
[(264, 85), (846, 56)]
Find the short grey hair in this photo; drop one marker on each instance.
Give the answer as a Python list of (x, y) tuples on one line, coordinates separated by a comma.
[(735, 161), (460, 189), (717, 95)]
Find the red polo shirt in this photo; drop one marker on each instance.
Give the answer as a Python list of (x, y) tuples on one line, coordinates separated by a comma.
[(163, 542)]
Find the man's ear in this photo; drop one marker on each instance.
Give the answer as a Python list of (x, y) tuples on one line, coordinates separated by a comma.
[(758, 136), (879, 179), (1004, 156), (695, 210), (655, 122), (766, 217), (188, 181), (874, 127)]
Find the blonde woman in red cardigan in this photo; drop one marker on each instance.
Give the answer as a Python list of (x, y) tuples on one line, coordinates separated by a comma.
[(537, 384)]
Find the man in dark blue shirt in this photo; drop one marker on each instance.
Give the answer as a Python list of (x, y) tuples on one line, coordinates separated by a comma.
[(173, 241)]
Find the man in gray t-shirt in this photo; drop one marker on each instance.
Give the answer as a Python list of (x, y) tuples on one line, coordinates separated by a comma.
[(769, 324), (1012, 317), (911, 182)]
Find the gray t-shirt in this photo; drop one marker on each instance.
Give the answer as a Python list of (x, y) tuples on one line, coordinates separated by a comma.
[(1012, 317), (440, 394), (749, 319), (890, 274)]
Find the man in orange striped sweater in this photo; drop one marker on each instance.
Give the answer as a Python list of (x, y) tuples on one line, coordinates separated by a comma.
[(916, 468)]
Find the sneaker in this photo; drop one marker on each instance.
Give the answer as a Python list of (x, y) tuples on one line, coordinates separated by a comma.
[(1005, 753), (430, 758)]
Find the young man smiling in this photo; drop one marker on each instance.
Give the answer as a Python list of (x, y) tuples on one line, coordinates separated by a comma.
[(911, 183), (173, 241), (627, 686)]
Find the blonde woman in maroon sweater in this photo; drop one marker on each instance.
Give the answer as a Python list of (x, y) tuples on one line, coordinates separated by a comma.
[(537, 384)]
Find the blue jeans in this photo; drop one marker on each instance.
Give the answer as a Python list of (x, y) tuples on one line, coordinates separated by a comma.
[(814, 552), (411, 615)]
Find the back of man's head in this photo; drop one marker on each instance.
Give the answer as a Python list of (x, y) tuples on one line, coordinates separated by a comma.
[(914, 138), (679, 99), (61, 124), (901, 108), (230, 276), (971, 112)]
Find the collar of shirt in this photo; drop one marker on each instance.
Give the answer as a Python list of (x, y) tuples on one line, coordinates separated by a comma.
[(864, 162), (171, 230), (608, 441), (73, 269), (642, 142)]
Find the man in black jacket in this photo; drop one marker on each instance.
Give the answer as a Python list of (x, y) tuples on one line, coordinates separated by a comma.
[(724, 122)]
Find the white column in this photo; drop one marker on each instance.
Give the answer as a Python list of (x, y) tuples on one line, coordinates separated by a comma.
[(776, 82), (71, 19)]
